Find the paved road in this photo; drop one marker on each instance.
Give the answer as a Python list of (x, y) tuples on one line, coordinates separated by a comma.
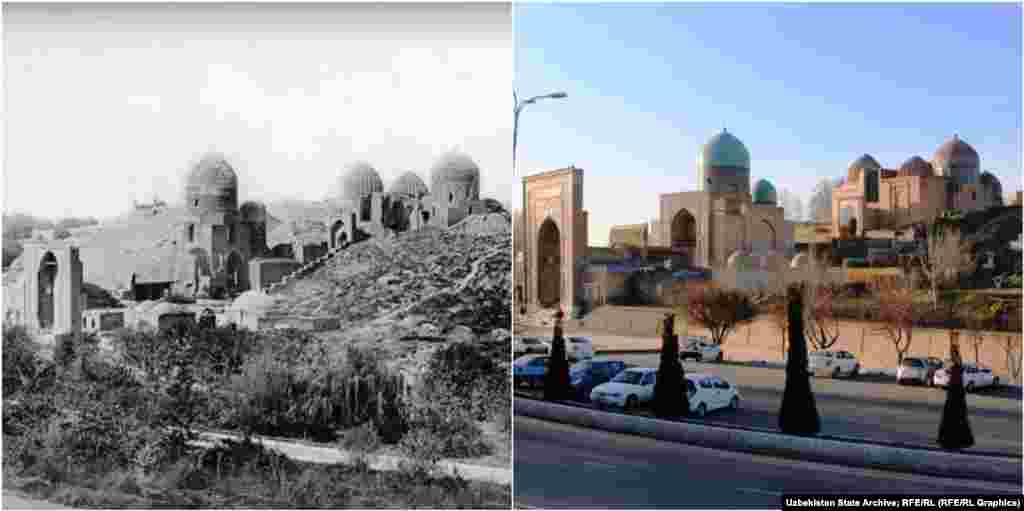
[(560, 466), (856, 409)]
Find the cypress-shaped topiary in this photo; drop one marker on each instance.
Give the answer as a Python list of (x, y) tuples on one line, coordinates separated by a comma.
[(556, 380), (670, 399), (955, 430), (799, 414)]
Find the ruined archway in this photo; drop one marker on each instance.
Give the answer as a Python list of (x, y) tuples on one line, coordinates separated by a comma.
[(339, 236), (47, 282), (683, 235), (549, 269)]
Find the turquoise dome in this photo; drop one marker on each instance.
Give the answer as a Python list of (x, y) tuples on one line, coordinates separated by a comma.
[(724, 150), (764, 193)]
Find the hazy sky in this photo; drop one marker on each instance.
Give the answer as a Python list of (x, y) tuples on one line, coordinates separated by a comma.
[(111, 103), (807, 88)]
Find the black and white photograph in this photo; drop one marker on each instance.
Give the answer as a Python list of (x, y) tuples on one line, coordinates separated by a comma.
[(257, 255)]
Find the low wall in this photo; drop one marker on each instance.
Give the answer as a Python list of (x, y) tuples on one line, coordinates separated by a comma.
[(761, 339), (819, 449)]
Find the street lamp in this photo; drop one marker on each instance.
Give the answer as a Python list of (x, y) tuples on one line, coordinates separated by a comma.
[(519, 108)]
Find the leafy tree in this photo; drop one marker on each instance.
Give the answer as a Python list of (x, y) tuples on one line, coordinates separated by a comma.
[(670, 397), (556, 380), (719, 310), (955, 430), (799, 413)]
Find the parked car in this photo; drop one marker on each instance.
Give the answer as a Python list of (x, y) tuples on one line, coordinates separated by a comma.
[(579, 348), (974, 377), (833, 363), (529, 370), (700, 349), (528, 345), (587, 374), (708, 393), (914, 370), (628, 389), (934, 363)]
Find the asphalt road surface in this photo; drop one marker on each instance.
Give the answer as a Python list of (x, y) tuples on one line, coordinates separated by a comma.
[(561, 466), (874, 411)]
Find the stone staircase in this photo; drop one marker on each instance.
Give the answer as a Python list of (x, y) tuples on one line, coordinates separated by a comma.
[(306, 269)]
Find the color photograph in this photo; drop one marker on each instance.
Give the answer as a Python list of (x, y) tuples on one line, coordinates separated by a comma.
[(765, 251)]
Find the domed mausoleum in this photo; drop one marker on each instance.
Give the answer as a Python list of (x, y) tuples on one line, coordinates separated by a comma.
[(696, 231), (723, 165), (876, 198)]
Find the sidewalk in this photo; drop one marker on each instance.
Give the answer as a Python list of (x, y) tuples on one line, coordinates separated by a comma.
[(331, 455)]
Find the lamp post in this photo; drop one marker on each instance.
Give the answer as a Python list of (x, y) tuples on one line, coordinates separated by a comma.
[(519, 105)]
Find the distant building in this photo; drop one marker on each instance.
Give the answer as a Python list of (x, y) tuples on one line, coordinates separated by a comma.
[(872, 197)]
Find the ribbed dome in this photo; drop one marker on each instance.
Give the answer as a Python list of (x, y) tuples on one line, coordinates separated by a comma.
[(865, 162), (360, 179), (724, 150), (409, 184), (958, 160), (916, 166), (212, 185), (764, 193), (453, 167)]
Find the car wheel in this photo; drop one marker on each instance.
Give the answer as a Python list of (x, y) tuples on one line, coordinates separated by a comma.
[(995, 381), (734, 403), (856, 371), (835, 373), (702, 410), (631, 403), (970, 387), (719, 358)]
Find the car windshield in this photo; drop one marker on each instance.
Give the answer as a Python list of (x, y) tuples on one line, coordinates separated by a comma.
[(912, 362), (821, 354), (577, 340), (631, 377), (530, 340)]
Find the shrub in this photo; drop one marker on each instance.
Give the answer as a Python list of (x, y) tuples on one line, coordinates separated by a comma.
[(362, 439)]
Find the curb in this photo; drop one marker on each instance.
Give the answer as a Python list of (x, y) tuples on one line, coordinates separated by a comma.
[(823, 450), (331, 455)]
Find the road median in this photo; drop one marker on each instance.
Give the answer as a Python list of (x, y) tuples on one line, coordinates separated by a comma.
[(863, 454)]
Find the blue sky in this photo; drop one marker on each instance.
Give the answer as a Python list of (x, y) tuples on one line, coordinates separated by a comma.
[(807, 88)]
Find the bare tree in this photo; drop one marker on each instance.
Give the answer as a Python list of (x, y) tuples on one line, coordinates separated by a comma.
[(820, 205), (896, 311), (977, 316), (948, 258), (821, 324), (1011, 345), (792, 204)]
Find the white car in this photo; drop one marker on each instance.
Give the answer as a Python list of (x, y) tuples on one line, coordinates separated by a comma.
[(700, 349), (914, 370), (579, 348), (530, 345), (708, 392), (628, 389), (833, 363), (974, 377)]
